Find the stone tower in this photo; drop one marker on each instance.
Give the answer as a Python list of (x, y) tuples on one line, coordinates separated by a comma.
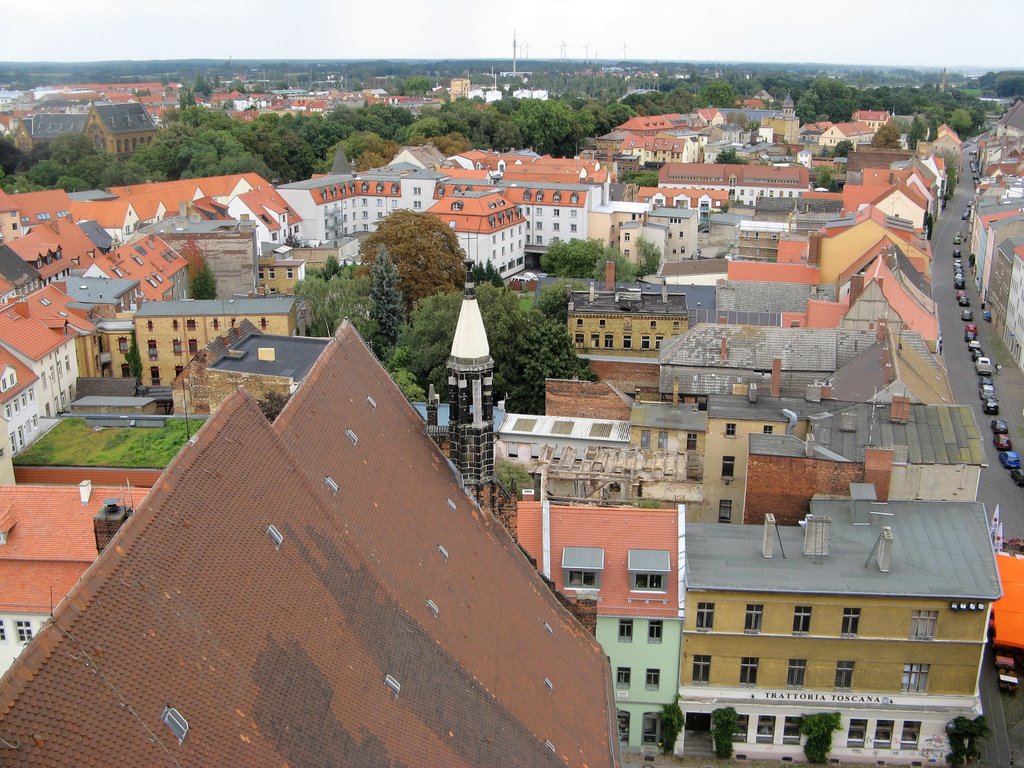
[(470, 404), (788, 107)]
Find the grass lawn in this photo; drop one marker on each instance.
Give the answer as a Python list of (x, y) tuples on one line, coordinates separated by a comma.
[(526, 302), (72, 443)]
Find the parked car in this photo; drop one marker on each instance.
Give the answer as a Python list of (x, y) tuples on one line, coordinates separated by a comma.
[(986, 392), (1002, 442), (970, 328), (1000, 427), (983, 366), (1009, 459), (967, 315), (987, 314), (966, 216), (962, 300), (990, 407), (958, 239), (986, 380), (975, 353), (956, 253), (1017, 476)]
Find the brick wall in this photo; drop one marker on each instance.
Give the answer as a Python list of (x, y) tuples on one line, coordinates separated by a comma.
[(584, 399), (220, 384), (628, 376), (231, 256), (784, 485)]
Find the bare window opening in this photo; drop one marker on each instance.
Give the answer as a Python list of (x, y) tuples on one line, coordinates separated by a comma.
[(275, 536)]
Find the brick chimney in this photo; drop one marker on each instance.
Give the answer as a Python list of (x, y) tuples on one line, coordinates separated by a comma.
[(108, 521), (609, 275), (814, 249), (826, 391), (21, 307), (856, 287), (878, 470), (776, 387), (432, 406), (724, 353), (585, 611), (899, 409)]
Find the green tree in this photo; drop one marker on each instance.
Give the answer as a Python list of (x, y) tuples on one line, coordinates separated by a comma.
[(728, 156), (842, 148), (960, 121), (487, 273), (965, 739), (823, 178), (625, 270), (553, 302), (134, 359), (425, 252), (204, 284), (513, 475), (551, 357), (918, 132), (386, 308), (272, 404), (818, 728), (416, 85), (717, 93), (572, 258), (640, 178), (397, 368), (330, 301), (648, 257), (723, 725), (672, 721), (887, 137)]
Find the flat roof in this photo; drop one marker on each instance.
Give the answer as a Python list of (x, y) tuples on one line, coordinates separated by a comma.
[(293, 356), (108, 401), (569, 427), (941, 549), (670, 416), (98, 290)]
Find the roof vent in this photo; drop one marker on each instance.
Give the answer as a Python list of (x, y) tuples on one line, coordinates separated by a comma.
[(275, 536), (393, 684), (173, 719), (433, 608), (443, 552), (329, 482), (371, 401), (452, 505), (352, 436), (768, 536), (884, 547), (817, 535)]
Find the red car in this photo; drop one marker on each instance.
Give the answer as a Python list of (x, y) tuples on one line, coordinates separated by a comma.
[(970, 328), (1002, 442)]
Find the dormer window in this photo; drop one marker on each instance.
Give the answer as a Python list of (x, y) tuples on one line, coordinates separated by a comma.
[(648, 570), (582, 566)]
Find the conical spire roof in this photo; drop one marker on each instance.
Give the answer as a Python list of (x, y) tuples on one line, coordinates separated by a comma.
[(470, 343)]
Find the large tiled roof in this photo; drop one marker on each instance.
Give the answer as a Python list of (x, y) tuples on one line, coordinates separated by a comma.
[(763, 296), (124, 118), (279, 655), (46, 125)]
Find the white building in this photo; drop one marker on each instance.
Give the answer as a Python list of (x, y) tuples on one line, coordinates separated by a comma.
[(47, 352), (490, 229), (18, 400)]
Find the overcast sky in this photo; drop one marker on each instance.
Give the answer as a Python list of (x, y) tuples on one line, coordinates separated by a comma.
[(881, 32)]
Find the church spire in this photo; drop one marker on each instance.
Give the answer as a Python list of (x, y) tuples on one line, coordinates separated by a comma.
[(470, 401)]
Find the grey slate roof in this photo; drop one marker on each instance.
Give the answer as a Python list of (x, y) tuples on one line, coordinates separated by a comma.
[(757, 296), (628, 301), (734, 317), (941, 549), (98, 290), (269, 305), (668, 416), (15, 269), (293, 356), (99, 236), (934, 434), (45, 125), (798, 204), (904, 266), (801, 349), (124, 118)]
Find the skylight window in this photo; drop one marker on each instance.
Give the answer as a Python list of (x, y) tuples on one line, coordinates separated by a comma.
[(174, 720)]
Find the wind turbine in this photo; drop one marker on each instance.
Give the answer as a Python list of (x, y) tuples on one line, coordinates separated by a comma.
[(526, 47), (586, 54), (564, 46), (624, 49)]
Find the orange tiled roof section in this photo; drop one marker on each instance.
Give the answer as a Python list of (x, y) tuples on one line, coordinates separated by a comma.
[(48, 204), (7, 203), (189, 189), (75, 246), (51, 542), (484, 214), (54, 307), (30, 336), (23, 378), (150, 260), (618, 530), (267, 204), (574, 198), (766, 271), (400, 463), (192, 605)]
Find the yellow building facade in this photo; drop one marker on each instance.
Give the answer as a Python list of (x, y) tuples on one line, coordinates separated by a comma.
[(170, 333), (850, 612), (625, 323)]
